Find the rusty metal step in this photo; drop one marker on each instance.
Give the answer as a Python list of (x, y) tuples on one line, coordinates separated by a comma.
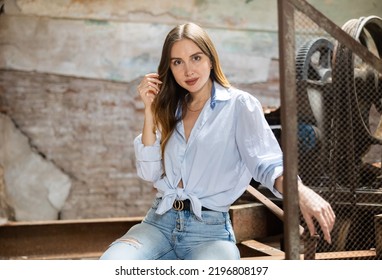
[(63, 239)]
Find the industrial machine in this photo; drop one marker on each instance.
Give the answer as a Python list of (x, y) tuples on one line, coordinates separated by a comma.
[(340, 130)]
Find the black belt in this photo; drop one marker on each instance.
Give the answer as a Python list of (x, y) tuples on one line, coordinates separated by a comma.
[(185, 205)]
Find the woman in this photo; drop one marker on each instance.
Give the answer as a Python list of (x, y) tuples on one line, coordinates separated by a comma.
[(202, 142)]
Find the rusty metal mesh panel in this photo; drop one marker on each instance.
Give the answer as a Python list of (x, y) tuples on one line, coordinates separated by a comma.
[(339, 128)]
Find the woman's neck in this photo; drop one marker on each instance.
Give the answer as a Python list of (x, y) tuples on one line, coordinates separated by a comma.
[(200, 97)]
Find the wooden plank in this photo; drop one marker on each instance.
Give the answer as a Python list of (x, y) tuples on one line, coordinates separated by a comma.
[(263, 248), (267, 202), (361, 254), (356, 255), (270, 205)]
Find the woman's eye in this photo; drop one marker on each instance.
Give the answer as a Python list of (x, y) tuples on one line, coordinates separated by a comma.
[(197, 58), (176, 62)]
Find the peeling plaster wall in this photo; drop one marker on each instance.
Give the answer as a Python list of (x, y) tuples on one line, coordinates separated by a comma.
[(118, 46), (69, 71), (35, 187)]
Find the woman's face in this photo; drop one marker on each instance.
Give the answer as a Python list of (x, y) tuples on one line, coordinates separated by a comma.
[(190, 66)]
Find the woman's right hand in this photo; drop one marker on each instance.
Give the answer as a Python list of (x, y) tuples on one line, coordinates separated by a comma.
[(149, 88)]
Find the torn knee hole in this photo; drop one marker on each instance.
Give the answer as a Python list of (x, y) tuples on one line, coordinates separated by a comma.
[(131, 241)]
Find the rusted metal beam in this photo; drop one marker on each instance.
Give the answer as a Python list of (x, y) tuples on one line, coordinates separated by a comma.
[(289, 122), (378, 236), (310, 245), (64, 239)]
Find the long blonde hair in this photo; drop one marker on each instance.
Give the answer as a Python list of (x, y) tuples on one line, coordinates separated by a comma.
[(171, 95)]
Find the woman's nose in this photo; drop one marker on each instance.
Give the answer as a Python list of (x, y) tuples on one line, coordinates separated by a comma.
[(188, 70)]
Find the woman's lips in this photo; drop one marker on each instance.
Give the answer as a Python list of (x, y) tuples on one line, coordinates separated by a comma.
[(191, 82)]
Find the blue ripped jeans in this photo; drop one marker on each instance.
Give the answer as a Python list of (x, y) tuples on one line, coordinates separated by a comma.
[(177, 235)]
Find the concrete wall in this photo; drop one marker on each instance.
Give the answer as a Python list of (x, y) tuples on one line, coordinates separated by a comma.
[(69, 71)]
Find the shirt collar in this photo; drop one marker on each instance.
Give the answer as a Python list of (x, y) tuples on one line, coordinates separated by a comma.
[(220, 93)]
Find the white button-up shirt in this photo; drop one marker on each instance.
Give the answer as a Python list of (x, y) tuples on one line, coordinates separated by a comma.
[(230, 143)]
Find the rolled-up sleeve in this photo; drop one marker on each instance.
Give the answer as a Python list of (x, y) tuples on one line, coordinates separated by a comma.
[(148, 159), (257, 144)]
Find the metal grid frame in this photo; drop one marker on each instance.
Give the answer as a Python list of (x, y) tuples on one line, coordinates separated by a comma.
[(287, 10)]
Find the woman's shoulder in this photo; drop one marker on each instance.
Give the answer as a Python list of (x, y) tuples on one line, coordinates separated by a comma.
[(243, 97), (237, 98), (225, 93)]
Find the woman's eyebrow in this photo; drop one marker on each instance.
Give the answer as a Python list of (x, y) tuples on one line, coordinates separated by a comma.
[(197, 53)]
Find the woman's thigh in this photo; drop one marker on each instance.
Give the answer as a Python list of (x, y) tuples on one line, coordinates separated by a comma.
[(214, 250), (141, 242)]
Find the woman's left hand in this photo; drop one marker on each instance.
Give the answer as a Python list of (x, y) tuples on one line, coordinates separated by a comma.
[(313, 206)]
